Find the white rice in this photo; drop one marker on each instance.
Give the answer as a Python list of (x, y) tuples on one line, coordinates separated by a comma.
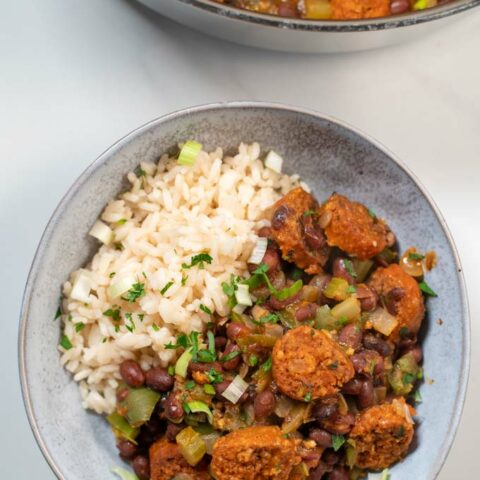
[(173, 213)]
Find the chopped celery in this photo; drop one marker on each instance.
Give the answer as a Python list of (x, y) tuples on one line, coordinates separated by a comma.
[(324, 320), (122, 428), (336, 289), (362, 268), (382, 321), (192, 447), (139, 405), (404, 374), (296, 417), (124, 474)]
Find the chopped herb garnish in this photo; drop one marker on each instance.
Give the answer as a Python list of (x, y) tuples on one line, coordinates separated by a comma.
[(270, 318), (403, 332), (417, 396), (309, 213), (144, 275), (408, 378), (66, 343), (296, 273), (171, 370), (342, 321), (351, 289), (118, 246), (209, 389), (252, 361), (114, 313), (372, 214), (136, 291), (308, 397), (267, 366), (163, 291), (104, 340), (205, 356), (211, 341), (333, 366), (155, 327), (69, 318), (199, 260), (230, 356), (117, 328), (190, 385), (243, 416), (130, 327), (186, 408), (79, 326), (426, 289), (184, 280), (58, 313), (205, 309), (112, 275), (140, 172), (337, 442), (214, 376), (229, 290), (122, 221), (349, 266), (415, 256), (140, 316)]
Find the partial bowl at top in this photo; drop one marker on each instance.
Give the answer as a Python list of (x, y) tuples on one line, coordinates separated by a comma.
[(308, 36), (330, 156)]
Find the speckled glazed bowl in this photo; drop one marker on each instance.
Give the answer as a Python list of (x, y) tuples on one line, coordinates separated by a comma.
[(330, 156), (307, 36)]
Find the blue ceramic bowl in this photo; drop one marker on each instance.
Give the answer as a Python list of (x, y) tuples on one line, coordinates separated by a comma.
[(330, 156)]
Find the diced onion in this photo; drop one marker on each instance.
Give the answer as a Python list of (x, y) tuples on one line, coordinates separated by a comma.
[(81, 288), (235, 390), (239, 308), (121, 286), (274, 161), (181, 366), (189, 152), (382, 321), (242, 295), (403, 410), (101, 232), (200, 407), (258, 251)]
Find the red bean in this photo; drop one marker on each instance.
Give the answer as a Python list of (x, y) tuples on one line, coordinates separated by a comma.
[(368, 298), (233, 363), (367, 362), (351, 335), (220, 388), (321, 437), (220, 342), (306, 312), (281, 304), (264, 404), (204, 367), (132, 373), (352, 387), (280, 216), (159, 379), (271, 259), (325, 408), (392, 298), (286, 9), (340, 270), (339, 424), (319, 472), (417, 353), (331, 458), (122, 394), (127, 449), (265, 232), (141, 467), (399, 6), (339, 473), (237, 330), (173, 407), (372, 342), (321, 281), (313, 236), (366, 397), (173, 430)]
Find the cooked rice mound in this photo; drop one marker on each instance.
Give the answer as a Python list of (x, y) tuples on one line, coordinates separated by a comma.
[(170, 214)]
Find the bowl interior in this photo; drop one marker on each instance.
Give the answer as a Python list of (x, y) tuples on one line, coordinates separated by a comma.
[(329, 157)]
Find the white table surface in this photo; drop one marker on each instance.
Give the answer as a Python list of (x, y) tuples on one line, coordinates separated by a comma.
[(77, 75)]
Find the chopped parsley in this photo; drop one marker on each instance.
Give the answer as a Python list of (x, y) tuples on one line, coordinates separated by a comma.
[(214, 376), (308, 397), (131, 327), (58, 313), (122, 221), (424, 287), (199, 260), (155, 327), (252, 360), (337, 442), (260, 276), (271, 318), (372, 214), (140, 316), (171, 370), (118, 246), (342, 321), (229, 290), (186, 408), (309, 213), (209, 389), (117, 328), (136, 291), (415, 256), (206, 357), (164, 290), (65, 342), (205, 309), (230, 356), (408, 378), (79, 326), (112, 275), (404, 331), (267, 366), (190, 385), (113, 313), (140, 172), (296, 273), (351, 289), (349, 266), (184, 280), (417, 396)]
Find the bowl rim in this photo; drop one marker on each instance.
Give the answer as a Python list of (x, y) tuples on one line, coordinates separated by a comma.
[(358, 25), (119, 144)]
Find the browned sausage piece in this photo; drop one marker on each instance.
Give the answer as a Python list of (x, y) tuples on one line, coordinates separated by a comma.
[(382, 435), (254, 453), (307, 363), (166, 461), (295, 229), (348, 9), (352, 228), (410, 308)]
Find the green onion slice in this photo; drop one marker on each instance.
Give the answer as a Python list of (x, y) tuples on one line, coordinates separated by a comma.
[(201, 407), (182, 363), (189, 152)]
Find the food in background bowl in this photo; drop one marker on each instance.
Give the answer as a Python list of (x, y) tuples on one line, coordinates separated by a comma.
[(332, 9), (230, 326)]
